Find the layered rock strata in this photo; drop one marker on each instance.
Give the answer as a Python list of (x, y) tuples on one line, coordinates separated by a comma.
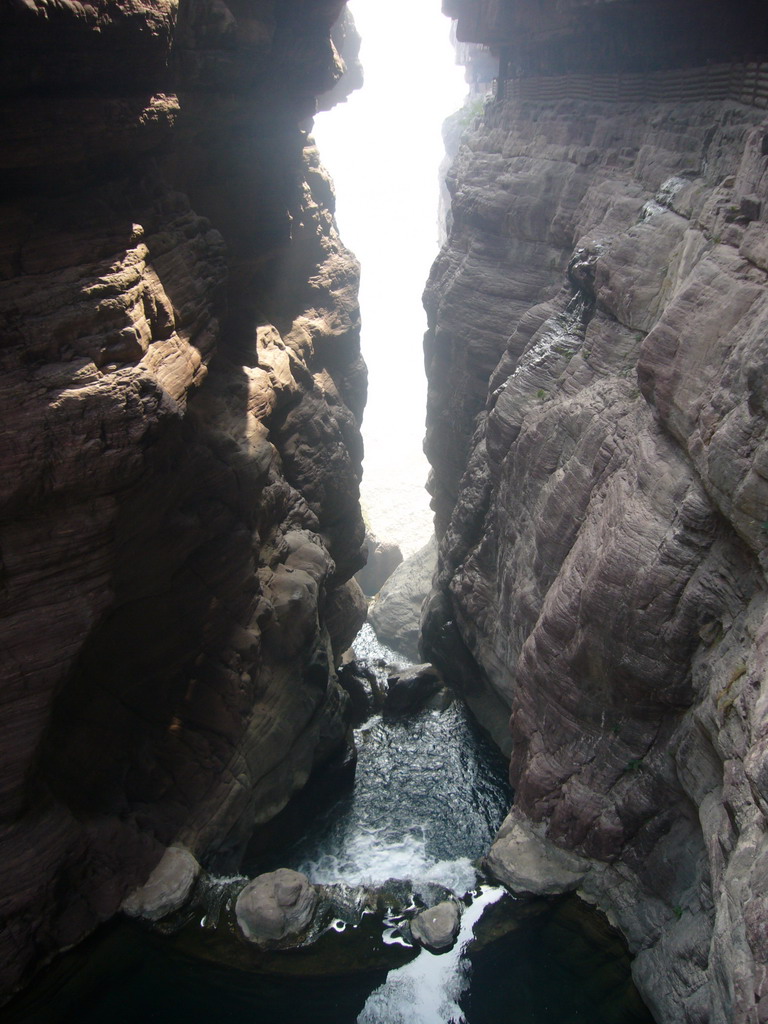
[(597, 428), (552, 36), (179, 438)]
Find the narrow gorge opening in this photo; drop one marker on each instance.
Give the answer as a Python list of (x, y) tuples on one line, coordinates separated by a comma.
[(383, 147), (430, 790), (221, 797)]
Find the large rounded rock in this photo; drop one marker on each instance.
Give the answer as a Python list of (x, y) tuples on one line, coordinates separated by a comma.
[(383, 558), (167, 888), (276, 908), (396, 613), (436, 927), (525, 861)]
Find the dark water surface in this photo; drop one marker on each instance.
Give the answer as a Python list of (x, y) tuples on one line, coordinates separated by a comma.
[(560, 967), (428, 796)]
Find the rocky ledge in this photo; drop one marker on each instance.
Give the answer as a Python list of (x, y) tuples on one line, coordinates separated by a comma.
[(598, 432), (250, 922), (181, 395)]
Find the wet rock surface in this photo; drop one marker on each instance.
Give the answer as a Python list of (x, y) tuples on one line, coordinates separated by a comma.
[(253, 923), (596, 432), (276, 908), (366, 695), (436, 927)]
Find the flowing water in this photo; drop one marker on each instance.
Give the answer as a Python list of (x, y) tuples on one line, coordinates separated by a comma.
[(427, 800), (429, 988), (428, 795)]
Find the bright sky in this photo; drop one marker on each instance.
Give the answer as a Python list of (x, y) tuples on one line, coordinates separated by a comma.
[(383, 148)]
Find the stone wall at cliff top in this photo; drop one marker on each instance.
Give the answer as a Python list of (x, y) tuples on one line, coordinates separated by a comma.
[(553, 36), (180, 400), (598, 434)]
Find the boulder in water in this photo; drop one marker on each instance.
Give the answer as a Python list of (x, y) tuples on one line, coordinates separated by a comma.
[(276, 908), (396, 613), (436, 927), (411, 688)]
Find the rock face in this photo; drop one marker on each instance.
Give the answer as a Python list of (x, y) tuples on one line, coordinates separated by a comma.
[(179, 408), (366, 695), (598, 431), (523, 859), (553, 36)]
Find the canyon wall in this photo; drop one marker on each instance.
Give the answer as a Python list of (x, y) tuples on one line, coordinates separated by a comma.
[(598, 434), (180, 454)]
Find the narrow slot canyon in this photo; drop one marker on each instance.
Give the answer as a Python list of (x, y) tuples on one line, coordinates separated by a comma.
[(353, 677)]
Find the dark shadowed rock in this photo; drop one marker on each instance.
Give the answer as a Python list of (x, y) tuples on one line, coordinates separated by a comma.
[(409, 689), (383, 558), (362, 686), (346, 609), (180, 451)]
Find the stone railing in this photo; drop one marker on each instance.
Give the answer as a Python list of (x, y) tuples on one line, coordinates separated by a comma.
[(742, 83)]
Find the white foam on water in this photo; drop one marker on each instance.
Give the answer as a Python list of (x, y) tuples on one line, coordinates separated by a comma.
[(367, 645), (428, 989), (370, 859)]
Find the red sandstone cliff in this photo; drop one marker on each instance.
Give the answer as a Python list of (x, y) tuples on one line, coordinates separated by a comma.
[(598, 429), (181, 393)]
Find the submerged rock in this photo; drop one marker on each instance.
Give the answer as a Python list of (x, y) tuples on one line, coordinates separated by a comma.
[(276, 908), (436, 927)]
